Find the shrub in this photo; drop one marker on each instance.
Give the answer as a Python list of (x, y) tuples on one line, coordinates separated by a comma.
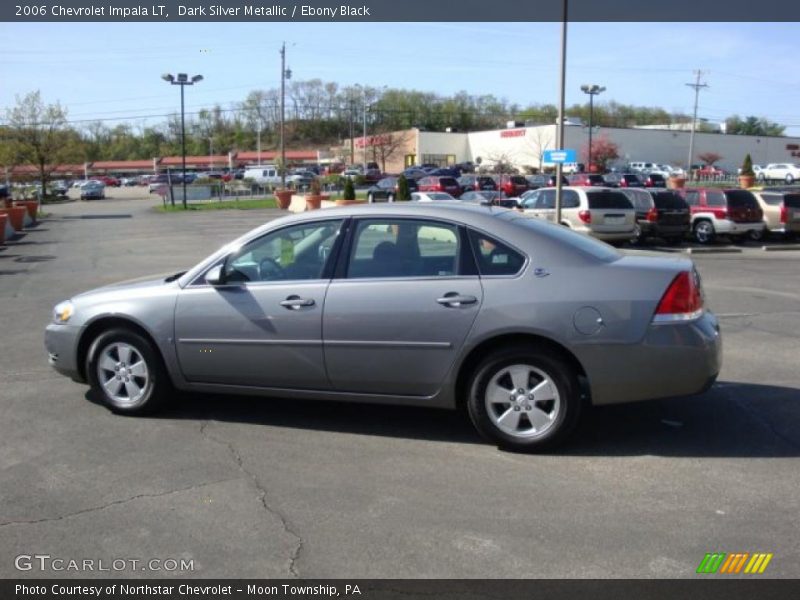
[(403, 192), (349, 189), (747, 167)]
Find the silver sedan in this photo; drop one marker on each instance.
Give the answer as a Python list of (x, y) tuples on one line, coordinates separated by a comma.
[(443, 304)]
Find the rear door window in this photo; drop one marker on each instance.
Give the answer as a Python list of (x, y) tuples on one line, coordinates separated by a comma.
[(715, 198), (570, 199), (493, 256)]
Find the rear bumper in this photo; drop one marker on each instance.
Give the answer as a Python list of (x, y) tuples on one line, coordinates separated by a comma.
[(658, 230), (672, 360), (61, 342)]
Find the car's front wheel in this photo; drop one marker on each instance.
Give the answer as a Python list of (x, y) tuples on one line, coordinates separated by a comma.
[(126, 372), (523, 398)]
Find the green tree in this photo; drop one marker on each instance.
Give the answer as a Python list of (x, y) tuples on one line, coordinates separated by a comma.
[(38, 135), (349, 189), (403, 193), (752, 126)]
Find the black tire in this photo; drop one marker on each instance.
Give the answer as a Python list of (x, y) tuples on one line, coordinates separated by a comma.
[(155, 386), (560, 373), (757, 235), (789, 179), (703, 232), (638, 235)]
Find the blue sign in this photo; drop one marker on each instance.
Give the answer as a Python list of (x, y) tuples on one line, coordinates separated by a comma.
[(560, 156)]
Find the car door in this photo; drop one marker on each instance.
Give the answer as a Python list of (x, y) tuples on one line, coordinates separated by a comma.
[(262, 325), (401, 307)]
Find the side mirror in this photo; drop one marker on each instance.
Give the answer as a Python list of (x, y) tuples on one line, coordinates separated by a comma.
[(216, 275)]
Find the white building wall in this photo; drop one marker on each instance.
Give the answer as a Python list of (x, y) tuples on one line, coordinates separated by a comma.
[(523, 146)]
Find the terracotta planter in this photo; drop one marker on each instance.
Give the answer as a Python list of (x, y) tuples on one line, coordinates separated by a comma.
[(284, 198), (675, 183), (3, 219), (33, 208), (746, 181), (16, 214), (313, 201), (7, 203)]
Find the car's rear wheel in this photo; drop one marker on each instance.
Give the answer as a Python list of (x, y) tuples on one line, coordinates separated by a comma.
[(638, 237), (789, 179), (126, 372), (704, 232), (757, 235), (523, 398)]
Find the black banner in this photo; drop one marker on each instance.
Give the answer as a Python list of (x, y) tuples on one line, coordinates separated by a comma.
[(395, 10), (372, 589)]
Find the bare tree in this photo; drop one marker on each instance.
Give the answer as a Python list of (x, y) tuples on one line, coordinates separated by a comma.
[(541, 139), (384, 146)]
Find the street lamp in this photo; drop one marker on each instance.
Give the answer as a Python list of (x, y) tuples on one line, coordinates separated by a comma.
[(593, 90), (182, 79), (285, 74)]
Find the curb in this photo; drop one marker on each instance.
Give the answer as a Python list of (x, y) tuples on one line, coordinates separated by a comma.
[(713, 250), (795, 247)]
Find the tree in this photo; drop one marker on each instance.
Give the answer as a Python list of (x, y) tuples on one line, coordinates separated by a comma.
[(604, 151), (385, 145), (37, 135), (541, 140), (752, 126), (747, 167), (349, 189), (403, 193), (709, 158)]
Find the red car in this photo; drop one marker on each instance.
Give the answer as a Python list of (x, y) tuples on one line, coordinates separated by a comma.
[(512, 185), (440, 184), (734, 212), (107, 179), (587, 180)]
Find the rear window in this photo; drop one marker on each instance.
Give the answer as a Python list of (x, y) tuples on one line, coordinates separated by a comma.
[(641, 200), (584, 243), (715, 199), (656, 177), (608, 199), (519, 180), (792, 200), (485, 181), (741, 199), (596, 179), (669, 200), (447, 181)]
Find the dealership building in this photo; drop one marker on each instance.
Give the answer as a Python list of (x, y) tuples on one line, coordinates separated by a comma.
[(524, 146)]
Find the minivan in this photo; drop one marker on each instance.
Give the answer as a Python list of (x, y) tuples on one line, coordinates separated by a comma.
[(603, 213), (263, 174)]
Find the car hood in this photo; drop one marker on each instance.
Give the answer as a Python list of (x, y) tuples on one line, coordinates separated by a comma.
[(139, 284)]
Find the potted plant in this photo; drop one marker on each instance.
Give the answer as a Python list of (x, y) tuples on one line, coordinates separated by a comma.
[(282, 195), (349, 194), (747, 177), (314, 196), (676, 180)]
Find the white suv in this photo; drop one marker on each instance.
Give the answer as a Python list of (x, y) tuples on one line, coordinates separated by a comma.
[(780, 172), (604, 213)]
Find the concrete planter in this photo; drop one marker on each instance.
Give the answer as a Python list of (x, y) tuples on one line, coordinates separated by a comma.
[(676, 183)]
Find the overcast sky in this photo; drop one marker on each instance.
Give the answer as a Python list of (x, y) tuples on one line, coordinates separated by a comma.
[(112, 70)]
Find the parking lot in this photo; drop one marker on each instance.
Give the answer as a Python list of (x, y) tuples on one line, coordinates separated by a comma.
[(271, 488)]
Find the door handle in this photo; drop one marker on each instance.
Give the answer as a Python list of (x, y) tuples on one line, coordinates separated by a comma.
[(454, 299), (296, 302)]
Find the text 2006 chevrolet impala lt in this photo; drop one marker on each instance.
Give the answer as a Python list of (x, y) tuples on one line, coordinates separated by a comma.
[(440, 305)]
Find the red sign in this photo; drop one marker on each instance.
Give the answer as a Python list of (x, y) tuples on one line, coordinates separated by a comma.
[(512, 133), (374, 140)]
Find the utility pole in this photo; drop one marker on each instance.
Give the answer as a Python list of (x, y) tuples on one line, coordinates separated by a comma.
[(697, 87), (561, 102), (283, 115)]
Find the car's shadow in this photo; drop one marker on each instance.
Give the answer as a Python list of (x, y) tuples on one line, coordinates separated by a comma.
[(731, 420)]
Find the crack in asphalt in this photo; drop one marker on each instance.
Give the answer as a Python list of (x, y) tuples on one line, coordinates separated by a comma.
[(263, 498), (112, 503)]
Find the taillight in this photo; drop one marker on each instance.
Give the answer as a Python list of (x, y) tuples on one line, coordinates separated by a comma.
[(784, 214), (648, 182), (652, 215), (585, 216), (720, 213), (682, 301)]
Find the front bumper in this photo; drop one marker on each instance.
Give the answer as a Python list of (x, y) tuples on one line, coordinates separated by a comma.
[(674, 359), (61, 342)]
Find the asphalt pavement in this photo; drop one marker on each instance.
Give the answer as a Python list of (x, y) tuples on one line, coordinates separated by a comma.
[(254, 488)]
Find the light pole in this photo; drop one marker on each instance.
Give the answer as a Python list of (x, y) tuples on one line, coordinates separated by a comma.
[(593, 90), (697, 87), (285, 74), (561, 102), (182, 79)]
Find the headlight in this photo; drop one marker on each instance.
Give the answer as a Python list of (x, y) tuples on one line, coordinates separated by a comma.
[(63, 311)]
